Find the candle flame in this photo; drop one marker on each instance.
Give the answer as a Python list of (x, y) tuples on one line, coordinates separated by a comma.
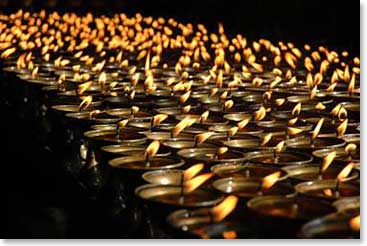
[(260, 113), (297, 109), (157, 119), (202, 137), (327, 160), (102, 78), (228, 104), (342, 128), (134, 110), (185, 96), (294, 131), (279, 101), (232, 131), (35, 72), (266, 139), (328, 192), (152, 148), (350, 148), (229, 234), (83, 87), (222, 210), (345, 172), (320, 106), (204, 116), (221, 151), (293, 121), (257, 81), (186, 109), (192, 171), (195, 183), (269, 180), (352, 84), (213, 91), (8, 52), (317, 129), (336, 109), (313, 92), (181, 126), (343, 113), (243, 123), (279, 147), (355, 223), (267, 95), (86, 101), (123, 123)]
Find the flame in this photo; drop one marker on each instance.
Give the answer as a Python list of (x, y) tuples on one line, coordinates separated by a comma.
[(186, 109), (191, 172), (320, 106), (257, 81), (290, 59), (352, 84), (327, 160), (328, 192), (35, 72), (229, 234), (342, 128), (313, 92), (243, 123), (147, 63), (157, 119), (223, 209), (275, 82), (294, 131), (267, 95), (279, 147), (293, 121), (279, 101), (269, 180), (224, 95), (350, 148), (346, 73), (102, 78), (134, 110), (8, 52), (309, 80), (213, 91), (317, 129), (266, 139), (87, 100), (184, 97), (355, 223), (221, 151), (260, 113), (297, 109), (232, 131), (202, 137), (228, 104), (336, 109), (122, 123), (181, 126), (152, 148), (345, 172), (194, 183), (83, 87), (204, 116)]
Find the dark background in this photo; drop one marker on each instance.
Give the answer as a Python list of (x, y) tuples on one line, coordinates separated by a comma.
[(331, 23)]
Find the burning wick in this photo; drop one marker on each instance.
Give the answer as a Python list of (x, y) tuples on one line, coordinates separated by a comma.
[(181, 126), (326, 162), (316, 131), (342, 128), (202, 137), (204, 116), (222, 210), (121, 124), (342, 176), (349, 149), (158, 119), (277, 149), (266, 139), (151, 151), (355, 223), (192, 184), (190, 173), (220, 152), (134, 110), (231, 132), (297, 109), (268, 181), (242, 124)]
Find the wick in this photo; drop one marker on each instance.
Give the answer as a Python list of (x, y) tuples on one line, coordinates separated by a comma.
[(147, 161), (182, 195), (337, 185), (196, 142), (118, 130), (260, 190), (247, 170), (228, 136)]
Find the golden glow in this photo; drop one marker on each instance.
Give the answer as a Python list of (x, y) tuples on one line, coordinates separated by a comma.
[(327, 160), (266, 139), (195, 183), (152, 148), (202, 137), (86, 101), (317, 129), (192, 171), (83, 87), (243, 123), (181, 126), (355, 223), (157, 119), (269, 180), (342, 128), (345, 172), (297, 109), (260, 113), (223, 209), (279, 147)]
